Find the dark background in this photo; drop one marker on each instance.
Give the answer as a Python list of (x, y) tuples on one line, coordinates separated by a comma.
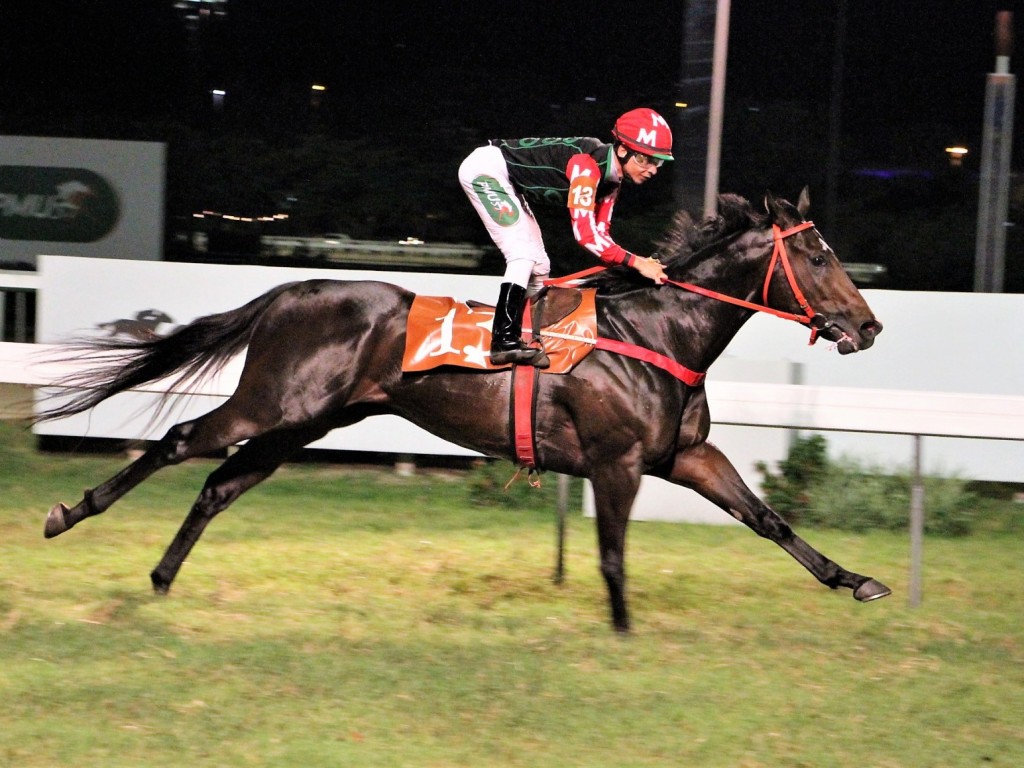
[(413, 87)]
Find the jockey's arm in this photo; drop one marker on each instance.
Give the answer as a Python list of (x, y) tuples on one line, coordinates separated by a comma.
[(591, 219)]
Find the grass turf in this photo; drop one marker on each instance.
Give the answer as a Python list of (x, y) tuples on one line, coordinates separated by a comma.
[(338, 616)]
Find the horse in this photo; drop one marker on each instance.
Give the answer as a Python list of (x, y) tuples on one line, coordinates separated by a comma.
[(325, 354), (142, 326)]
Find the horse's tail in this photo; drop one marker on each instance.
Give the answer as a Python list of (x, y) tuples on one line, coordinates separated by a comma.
[(193, 352)]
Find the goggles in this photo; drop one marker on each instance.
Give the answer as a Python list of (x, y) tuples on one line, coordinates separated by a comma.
[(646, 161)]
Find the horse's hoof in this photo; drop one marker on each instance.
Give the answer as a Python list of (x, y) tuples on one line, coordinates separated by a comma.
[(871, 590), (56, 523), (160, 584)]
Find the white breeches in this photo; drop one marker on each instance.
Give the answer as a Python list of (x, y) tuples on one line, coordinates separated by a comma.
[(509, 222)]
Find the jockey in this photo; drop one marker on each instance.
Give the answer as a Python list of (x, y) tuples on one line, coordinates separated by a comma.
[(505, 177)]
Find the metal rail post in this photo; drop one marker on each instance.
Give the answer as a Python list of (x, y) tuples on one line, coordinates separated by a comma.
[(916, 526)]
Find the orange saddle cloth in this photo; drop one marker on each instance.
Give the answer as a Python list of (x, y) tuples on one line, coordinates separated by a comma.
[(443, 331)]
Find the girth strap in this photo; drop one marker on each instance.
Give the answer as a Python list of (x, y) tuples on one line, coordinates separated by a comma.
[(524, 390), (524, 396)]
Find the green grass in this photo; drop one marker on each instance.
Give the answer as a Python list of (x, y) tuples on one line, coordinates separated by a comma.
[(343, 617)]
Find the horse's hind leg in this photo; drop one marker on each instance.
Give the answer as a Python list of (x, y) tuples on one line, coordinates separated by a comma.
[(214, 431), (706, 470), (254, 462)]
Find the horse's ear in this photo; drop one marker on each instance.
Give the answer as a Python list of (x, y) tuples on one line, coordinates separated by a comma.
[(804, 203), (772, 206)]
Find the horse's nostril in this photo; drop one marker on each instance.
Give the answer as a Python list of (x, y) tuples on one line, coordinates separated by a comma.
[(871, 329)]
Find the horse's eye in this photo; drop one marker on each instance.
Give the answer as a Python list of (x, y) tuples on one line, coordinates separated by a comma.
[(818, 260)]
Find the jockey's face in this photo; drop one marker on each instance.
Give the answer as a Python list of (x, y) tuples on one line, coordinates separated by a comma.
[(636, 167)]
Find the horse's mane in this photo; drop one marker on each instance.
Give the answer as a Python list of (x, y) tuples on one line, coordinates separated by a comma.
[(684, 241)]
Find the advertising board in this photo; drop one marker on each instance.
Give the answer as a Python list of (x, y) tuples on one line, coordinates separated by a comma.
[(80, 197)]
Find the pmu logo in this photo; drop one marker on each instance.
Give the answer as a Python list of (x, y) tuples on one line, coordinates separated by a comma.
[(496, 200), (67, 205)]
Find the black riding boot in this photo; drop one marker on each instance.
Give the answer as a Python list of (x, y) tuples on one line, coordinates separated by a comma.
[(507, 344)]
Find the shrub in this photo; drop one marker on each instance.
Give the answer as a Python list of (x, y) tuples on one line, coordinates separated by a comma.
[(848, 496), (788, 492)]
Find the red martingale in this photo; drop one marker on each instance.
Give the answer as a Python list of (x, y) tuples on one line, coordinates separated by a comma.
[(680, 371)]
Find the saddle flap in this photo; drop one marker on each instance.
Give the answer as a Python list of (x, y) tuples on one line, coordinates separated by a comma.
[(554, 304), (443, 331)]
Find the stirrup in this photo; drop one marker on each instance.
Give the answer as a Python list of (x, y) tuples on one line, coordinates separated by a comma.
[(521, 355)]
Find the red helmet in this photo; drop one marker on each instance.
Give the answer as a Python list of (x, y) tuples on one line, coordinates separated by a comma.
[(645, 131)]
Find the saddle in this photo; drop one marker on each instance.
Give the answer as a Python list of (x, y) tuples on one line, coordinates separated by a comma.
[(443, 331)]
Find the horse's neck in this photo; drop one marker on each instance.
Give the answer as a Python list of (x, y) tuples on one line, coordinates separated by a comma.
[(688, 328), (714, 325), (708, 325)]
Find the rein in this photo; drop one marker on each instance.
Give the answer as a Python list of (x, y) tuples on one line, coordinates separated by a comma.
[(694, 378), (779, 253)]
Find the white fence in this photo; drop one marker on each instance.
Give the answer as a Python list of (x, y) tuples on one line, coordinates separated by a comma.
[(952, 343)]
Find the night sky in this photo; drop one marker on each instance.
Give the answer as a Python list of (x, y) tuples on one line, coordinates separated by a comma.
[(422, 83), (905, 61)]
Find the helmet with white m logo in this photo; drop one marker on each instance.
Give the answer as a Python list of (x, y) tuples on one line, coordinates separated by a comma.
[(645, 131)]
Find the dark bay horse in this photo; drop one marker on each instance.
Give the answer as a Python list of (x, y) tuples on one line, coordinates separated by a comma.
[(325, 354)]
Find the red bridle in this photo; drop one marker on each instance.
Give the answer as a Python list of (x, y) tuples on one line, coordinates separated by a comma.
[(695, 378), (779, 253)]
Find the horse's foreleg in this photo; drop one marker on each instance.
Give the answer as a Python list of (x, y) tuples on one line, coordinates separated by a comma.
[(706, 470), (254, 462), (614, 491)]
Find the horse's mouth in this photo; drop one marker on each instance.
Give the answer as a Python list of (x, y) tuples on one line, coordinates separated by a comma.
[(846, 344)]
